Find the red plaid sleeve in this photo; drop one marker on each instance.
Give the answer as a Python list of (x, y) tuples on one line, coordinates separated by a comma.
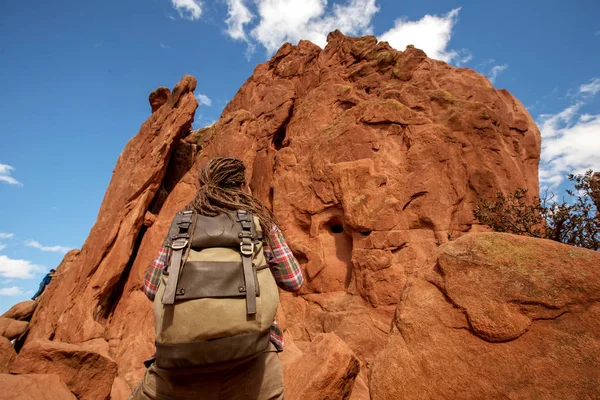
[(276, 336), (284, 265), (154, 272)]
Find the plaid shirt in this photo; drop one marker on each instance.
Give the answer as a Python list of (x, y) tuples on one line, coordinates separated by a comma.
[(283, 264)]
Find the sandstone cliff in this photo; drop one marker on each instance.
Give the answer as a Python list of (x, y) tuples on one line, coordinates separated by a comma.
[(372, 159)]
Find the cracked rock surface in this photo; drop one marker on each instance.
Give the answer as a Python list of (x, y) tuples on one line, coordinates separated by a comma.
[(497, 316)]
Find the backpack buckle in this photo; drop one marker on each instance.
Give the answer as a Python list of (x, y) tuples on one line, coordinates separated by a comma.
[(179, 244), (247, 249)]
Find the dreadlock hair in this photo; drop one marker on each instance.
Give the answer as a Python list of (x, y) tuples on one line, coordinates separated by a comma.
[(221, 191)]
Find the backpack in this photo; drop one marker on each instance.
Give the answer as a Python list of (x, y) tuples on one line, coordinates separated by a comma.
[(217, 298)]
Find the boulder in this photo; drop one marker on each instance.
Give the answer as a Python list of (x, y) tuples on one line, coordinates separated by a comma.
[(120, 390), (326, 371), (158, 98), (21, 311), (11, 328), (33, 387), (88, 374), (7, 355), (497, 316), (360, 391)]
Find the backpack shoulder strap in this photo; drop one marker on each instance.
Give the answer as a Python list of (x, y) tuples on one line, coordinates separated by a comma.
[(179, 238), (247, 239)]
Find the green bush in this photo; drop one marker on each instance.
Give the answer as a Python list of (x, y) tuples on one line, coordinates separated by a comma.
[(574, 222)]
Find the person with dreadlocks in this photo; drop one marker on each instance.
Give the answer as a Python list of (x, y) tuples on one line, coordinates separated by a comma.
[(223, 189)]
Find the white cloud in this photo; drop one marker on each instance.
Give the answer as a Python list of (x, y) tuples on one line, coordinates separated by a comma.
[(21, 269), (238, 15), (5, 172), (591, 88), (431, 34), (462, 57), (188, 9), (485, 63), (288, 21), (275, 22), (6, 235), (352, 18), (54, 249), (550, 123), (586, 117), (283, 21), (11, 291), (2, 246), (570, 144), (204, 100), (495, 71)]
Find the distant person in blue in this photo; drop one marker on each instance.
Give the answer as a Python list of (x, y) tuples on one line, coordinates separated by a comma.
[(44, 283)]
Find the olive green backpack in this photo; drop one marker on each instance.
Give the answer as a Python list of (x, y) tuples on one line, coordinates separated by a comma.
[(217, 298)]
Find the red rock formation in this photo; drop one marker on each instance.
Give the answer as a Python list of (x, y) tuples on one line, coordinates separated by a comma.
[(88, 373), (11, 328), (21, 311), (158, 98), (497, 316), (88, 289), (33, 387), (7, 355), (370, 157), (326, 371), (120, 389)]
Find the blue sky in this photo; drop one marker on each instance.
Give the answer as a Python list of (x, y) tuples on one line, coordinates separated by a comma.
[(75, 77)]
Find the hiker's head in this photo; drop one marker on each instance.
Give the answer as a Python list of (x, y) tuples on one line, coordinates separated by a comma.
[(52, 271), (223, 188), (224, 172)]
